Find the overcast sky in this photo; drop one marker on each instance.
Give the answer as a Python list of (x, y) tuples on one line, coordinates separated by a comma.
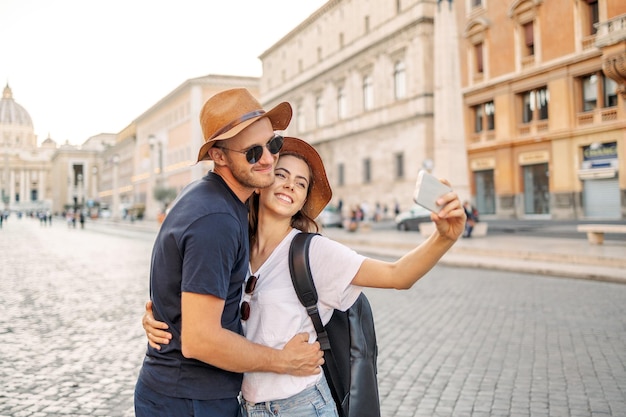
[(84, 67)]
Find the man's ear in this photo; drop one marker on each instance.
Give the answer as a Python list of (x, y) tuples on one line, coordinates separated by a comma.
[(217, 155)]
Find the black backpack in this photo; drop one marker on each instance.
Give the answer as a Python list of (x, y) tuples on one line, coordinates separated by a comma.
[(348, 340)]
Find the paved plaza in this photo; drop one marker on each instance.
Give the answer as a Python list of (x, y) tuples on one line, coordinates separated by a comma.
[(462, 342)]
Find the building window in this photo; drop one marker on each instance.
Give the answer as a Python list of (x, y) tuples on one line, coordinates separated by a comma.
[(399, 165), (367, 24), (542, 103), (610, 92), (490, 115), (399, 80), (341, 180), (341, 41), (478, 50), (590, 92), (477, 3), (528, 107), (300, 120), (398, 6), (484, 117), (341, 103), (478, 118), (535, 105), (367, 171), (529, 39), (593, 16), (595, 86), (319, 54), (368, 93), (319, 111)]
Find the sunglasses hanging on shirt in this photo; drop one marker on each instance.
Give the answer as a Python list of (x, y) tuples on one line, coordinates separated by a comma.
[(245, 306)]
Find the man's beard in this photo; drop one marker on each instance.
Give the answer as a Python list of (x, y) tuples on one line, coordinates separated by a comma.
[(251, 179)]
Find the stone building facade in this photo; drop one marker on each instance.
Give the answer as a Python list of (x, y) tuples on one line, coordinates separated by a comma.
[(543, 90), (543, 109), (359, 76), (155, 156)]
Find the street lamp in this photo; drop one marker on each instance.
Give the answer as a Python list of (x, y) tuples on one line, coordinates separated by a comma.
[(156, 178), (116, 193)]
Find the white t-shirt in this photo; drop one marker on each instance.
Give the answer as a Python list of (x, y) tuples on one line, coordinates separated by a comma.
[(276, 314)]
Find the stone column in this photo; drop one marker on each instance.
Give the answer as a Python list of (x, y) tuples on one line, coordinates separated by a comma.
[(450, 151), (11, 186), (23, 197), (41, 185)]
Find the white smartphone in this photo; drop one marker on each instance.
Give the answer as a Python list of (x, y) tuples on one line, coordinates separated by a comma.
[(428, 189)]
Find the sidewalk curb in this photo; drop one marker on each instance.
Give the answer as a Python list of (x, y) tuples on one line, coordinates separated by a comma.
[(574, 265), (567, 265)]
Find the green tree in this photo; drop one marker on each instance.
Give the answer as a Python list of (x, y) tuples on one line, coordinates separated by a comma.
[(165, 195)]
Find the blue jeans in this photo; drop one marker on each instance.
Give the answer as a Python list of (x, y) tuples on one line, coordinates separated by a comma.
[(149, 403), (316, 401)]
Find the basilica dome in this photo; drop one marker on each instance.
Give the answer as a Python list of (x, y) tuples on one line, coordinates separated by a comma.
[(11, 113)]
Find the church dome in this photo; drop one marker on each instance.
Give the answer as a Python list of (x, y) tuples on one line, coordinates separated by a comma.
[(12, 113)]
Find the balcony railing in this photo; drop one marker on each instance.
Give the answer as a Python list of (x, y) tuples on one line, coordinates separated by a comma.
[(532, 128), (587, 118), (589, 42), (611, 31)]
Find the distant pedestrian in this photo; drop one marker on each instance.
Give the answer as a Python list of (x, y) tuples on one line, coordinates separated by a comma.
[(472, 218), (82, 220)]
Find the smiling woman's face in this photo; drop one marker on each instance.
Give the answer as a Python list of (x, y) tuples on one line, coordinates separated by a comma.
[(288, 193)]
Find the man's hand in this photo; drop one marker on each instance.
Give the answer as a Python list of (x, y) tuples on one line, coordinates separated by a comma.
[(155, 330), (301, 357)]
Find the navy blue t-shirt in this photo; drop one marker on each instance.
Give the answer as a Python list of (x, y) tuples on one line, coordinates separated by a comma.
[(202, 247)]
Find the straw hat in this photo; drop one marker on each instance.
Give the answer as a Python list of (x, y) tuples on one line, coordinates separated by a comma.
[(231, 111), (320, 192)]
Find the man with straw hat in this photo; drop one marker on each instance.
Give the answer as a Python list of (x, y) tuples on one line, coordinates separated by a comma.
[(200, 260)]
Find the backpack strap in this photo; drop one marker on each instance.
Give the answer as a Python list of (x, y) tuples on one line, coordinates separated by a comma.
[(303, 283), (307, 294)]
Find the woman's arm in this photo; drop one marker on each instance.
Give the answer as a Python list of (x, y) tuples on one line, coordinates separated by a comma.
[(406, 271), (155, 330)]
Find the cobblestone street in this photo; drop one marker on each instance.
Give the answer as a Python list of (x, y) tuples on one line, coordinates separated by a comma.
[(70, 308), (462, 342)]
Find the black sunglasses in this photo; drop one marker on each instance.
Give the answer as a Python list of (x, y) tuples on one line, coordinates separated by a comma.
[(254, 153), (245, 306)]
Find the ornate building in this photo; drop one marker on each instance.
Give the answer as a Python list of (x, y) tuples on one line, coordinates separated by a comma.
[(48, 177), (25, 167), (539, 131), (155, 156), (359, 76), (543, 86), (542, 112)]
